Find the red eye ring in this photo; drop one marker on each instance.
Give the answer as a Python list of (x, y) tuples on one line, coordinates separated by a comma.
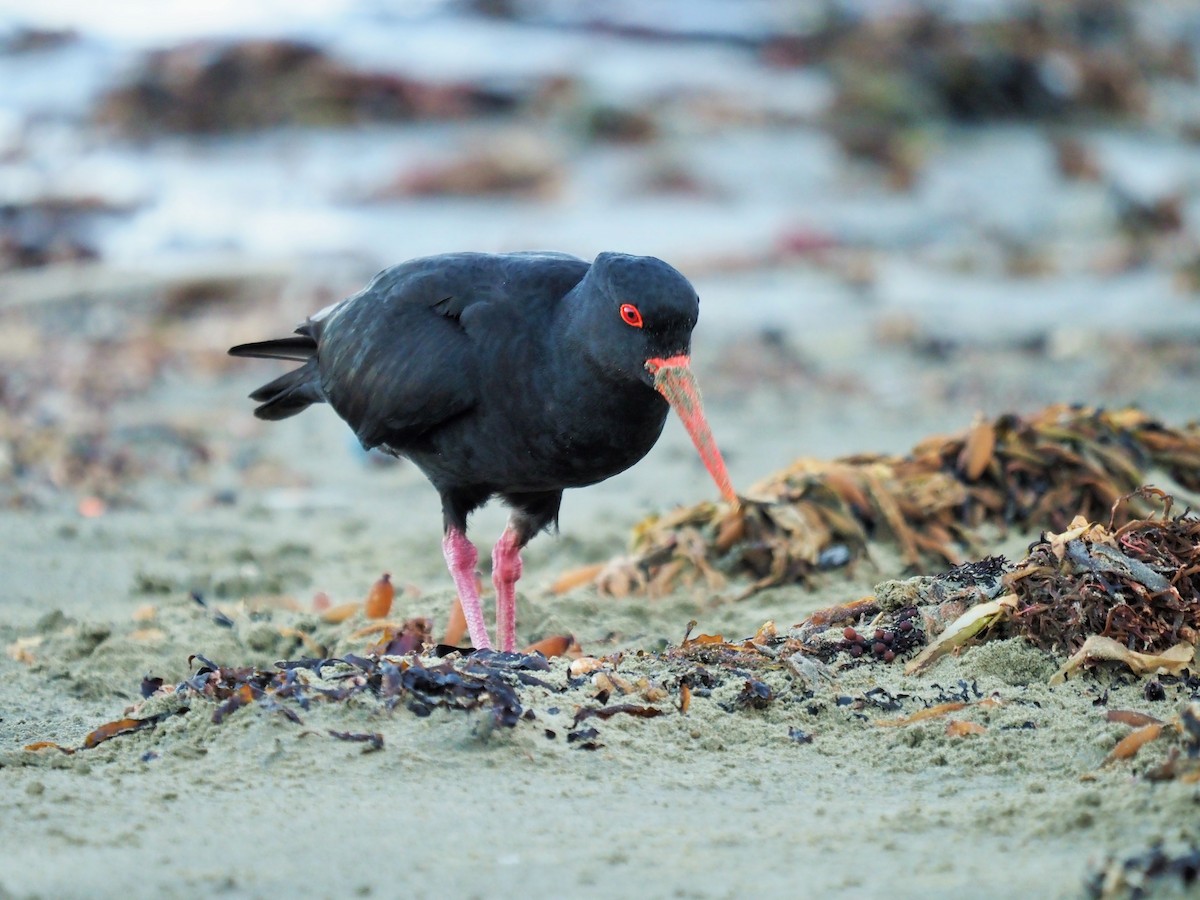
[(630, 315)]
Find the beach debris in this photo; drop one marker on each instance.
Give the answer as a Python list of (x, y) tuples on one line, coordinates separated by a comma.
[(1061, 63), (1157, 871), (607, 712), (1129, 745), (766, 649), (373, 739), (941, 705), (210, 86), (575, 578), (379, 599), (585, 665), (584, 739), (29, 39), (1095, 592), (606, 121), (755, 695), (970, 625), (884, 634), (335, 615), (685, 696), (555, 645), (410, 636), (1074, 159), (125, 725), (1181, 766), (1131, 717), (931, 712), (219, 617), (21, 650), (896, 73), (1097, 648), (456, 627), (1012, 471), (896, 631), (1178, 766), (146, 612), (1138, 586), (843, 612), (481, 681), (38, 746), (514, 166), (49, 229)]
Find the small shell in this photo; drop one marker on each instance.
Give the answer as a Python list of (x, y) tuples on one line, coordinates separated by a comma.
[(584, 665), (379, 599)]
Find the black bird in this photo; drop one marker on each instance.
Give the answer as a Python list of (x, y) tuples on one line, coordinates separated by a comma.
[(513, 375)]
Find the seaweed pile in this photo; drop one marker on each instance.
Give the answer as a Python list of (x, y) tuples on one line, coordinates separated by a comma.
[(485, 680), (1029, 472), (1138, 585), (214, 86), (1095, 594)]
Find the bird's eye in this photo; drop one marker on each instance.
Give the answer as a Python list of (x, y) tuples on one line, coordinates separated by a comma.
[(630, 315)]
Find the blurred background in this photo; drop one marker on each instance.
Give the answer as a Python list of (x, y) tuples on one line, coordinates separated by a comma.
[(897, 214)]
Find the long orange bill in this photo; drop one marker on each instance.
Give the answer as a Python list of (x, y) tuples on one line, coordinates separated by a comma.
[(674, 380)]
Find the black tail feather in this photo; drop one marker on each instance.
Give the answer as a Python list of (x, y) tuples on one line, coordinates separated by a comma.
[(290, 393), (293, 391), (298, 348)]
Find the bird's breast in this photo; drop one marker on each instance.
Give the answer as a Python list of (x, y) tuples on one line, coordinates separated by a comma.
[(515, 444)]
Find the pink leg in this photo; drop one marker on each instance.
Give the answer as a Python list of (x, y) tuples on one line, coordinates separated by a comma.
[(461, 557), (506, 569)]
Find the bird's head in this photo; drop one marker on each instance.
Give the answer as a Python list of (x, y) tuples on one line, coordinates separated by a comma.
[(639, 309), (638, 316)]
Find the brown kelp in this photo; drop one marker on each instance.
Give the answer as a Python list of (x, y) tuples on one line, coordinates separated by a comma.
[(1037, 471)]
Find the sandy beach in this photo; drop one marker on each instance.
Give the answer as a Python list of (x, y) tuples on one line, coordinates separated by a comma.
[(151, 528)]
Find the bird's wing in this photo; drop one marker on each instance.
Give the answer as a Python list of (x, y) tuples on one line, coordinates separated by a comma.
[(396, 360)]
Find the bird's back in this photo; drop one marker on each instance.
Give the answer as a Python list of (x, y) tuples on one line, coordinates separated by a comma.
[(401, 359)]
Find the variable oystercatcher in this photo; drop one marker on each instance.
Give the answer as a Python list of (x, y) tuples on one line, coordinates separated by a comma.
[(514, 375)]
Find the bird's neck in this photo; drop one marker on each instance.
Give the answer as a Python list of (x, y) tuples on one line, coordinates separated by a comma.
[(589, 380), (573, 344)]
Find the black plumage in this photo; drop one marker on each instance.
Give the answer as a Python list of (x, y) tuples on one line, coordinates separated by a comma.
[(513, 375)]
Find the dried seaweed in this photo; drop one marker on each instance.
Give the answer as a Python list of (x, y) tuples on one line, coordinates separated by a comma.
[(1138, 586), (126, 725), (1129, 745), (373, 739), (1090, 589), (755, 694), (216, 86), (484, 680), (1039, 471), (607, 712)]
